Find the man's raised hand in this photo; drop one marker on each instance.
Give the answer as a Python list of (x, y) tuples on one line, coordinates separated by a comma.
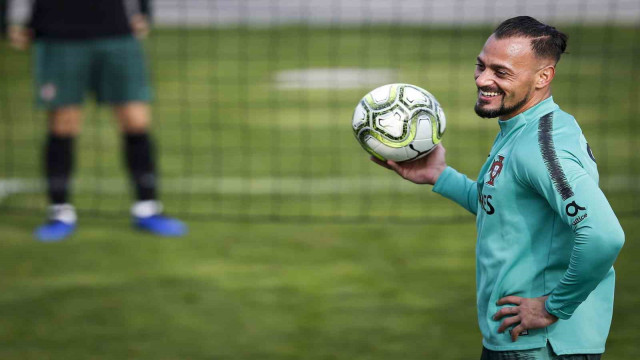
[(425, 170)]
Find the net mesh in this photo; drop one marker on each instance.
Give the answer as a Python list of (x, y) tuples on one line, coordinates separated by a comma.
[(253, 103)]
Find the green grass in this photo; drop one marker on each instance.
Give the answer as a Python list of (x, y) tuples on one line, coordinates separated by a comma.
[(256, 291), (394, 281)]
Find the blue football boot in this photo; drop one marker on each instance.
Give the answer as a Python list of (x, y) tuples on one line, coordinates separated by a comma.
[(147, 216), (54, 230), (61, 224), (160, 225)]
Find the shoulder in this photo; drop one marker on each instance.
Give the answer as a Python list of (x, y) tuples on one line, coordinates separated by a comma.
[(548, 141), (551, 134), (560, 129)]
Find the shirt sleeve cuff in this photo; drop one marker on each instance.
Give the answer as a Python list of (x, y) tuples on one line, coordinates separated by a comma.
[(440, 186), (555, 312)]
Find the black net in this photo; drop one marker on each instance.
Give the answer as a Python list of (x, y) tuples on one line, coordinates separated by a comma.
[(253, 103)]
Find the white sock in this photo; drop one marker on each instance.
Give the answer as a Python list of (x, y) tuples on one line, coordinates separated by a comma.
[(146, 208), (63, 212)]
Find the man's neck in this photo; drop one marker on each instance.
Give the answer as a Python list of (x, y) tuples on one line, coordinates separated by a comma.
[(533, 101)]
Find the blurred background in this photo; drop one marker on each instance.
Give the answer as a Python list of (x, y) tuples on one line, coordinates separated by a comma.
[(300, 247)]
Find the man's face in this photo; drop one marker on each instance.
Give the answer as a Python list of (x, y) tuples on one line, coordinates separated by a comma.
[(505, 77)]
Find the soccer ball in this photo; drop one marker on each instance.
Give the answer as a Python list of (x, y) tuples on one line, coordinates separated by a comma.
[(398, 122)]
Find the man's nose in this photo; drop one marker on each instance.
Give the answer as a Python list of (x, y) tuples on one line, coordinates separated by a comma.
[(483, 79)]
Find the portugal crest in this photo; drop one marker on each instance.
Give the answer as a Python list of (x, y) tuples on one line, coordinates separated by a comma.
[(496, 169)]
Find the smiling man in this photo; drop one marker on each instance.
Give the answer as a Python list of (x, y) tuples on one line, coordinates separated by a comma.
[(514, 57), (547, 236)]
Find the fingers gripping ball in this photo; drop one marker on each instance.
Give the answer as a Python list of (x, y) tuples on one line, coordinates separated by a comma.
[(398, 122)]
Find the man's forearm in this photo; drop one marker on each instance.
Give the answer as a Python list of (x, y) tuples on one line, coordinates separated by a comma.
[(595, 251), (457, 187)]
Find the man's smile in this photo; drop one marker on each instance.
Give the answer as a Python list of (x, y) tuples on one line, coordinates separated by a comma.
[(487, 96)]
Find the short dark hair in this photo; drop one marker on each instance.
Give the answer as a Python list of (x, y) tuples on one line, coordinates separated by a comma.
[(546, 41)]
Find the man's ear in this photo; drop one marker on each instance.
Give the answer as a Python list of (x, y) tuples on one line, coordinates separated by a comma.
[(544, 76)]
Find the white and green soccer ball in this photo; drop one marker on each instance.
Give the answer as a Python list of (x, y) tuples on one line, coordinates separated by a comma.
[(399, 122)]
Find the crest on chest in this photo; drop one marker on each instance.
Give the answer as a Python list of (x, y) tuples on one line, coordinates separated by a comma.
[(495, 169)]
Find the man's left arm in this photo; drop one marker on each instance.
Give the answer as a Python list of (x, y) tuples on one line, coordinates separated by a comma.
[(560, 177), (598, 236)]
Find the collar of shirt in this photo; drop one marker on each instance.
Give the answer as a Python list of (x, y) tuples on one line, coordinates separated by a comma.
[(533, 114)]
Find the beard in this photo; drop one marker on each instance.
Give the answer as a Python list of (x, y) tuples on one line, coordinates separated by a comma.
[(502, 110)]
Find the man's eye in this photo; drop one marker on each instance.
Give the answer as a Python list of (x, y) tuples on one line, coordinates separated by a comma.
[(501, 73)]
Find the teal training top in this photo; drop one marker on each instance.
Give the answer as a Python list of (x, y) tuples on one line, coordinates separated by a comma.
[(544, 228)]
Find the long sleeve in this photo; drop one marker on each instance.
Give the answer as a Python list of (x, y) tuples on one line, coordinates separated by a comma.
[(567, 179), (598, 240), (459, 188)]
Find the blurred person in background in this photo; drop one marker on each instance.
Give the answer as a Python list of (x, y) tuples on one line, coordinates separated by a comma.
[(547, 236), (93, 47)]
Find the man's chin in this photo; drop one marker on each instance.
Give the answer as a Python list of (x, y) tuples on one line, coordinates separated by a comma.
[(486, 112)]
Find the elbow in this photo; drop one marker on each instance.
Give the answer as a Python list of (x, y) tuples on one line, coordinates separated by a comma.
[(603, 245), (611, 242), (618, 239)]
